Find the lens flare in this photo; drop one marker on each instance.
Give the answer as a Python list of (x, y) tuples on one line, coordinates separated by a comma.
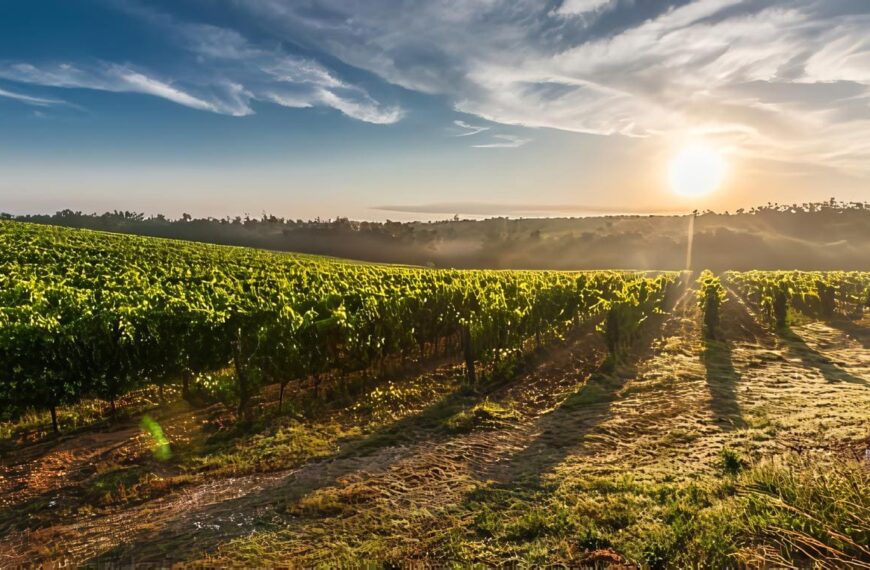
[(160, 447)]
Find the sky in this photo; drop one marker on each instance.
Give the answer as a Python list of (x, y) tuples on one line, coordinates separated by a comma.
[(421, 109)]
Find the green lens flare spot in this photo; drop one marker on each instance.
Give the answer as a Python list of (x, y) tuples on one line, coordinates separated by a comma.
[(160, 448)]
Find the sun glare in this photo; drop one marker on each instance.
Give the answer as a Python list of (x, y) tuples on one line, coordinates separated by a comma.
[(696, 170)]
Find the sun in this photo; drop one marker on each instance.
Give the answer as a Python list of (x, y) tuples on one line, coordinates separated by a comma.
[(696, 170)]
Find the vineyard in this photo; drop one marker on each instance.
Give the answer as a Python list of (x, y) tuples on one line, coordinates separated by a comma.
[(170, 402), (85, 314)]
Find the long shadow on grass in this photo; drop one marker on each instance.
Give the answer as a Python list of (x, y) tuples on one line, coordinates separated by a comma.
[(855, 331), (563, 430), (198, 530), (261, 506), (722, 379), (812, 358)]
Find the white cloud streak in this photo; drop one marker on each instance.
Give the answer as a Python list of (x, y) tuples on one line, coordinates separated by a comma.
[(363, 109), (117, 79), (30, 100), (505, 141), (580, 7), (469, 130), (225, 73), (138, 82)]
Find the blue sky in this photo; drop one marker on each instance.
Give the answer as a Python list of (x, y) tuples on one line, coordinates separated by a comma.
[(337, 107)]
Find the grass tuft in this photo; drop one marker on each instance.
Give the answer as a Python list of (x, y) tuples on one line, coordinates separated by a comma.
[(485, 415), (731, 461)]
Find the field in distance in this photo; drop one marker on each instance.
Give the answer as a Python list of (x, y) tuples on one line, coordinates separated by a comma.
[(166, 402)]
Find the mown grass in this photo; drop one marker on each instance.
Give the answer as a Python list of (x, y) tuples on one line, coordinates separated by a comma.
[(284, 443), (788, 510)]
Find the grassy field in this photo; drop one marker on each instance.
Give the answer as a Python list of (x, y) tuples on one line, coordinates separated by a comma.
[(745, 450)]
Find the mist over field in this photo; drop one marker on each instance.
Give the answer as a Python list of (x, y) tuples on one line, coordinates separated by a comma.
[(824, 236)]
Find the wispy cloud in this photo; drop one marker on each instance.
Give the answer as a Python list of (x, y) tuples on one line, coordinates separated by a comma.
[(469, 130), (135, 81), (619, 67), (271, 74), (581, 7), (362, 108), (505, 141), (30, 100), (221, 72), (119, 79)]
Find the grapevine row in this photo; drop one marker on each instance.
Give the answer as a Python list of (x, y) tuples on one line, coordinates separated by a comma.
[(818, 294), (91, 314)]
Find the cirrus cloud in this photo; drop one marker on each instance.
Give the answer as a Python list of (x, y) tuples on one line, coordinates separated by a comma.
[(504, 141), (30, 99), (121, 79), (737, 70), (783, 80), (223, 72)]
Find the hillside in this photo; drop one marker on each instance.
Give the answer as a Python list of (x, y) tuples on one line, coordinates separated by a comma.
[(826, 236)]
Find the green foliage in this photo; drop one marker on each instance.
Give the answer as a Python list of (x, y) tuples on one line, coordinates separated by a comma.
[(628, 307), (827, 298), (731, 461), (84, 313), (216, 386), (818, 294)]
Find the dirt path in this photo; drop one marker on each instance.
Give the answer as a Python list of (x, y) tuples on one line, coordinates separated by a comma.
[(53, 467), (667, 417)]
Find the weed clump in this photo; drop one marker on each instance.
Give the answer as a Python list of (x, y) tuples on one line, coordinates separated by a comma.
[(486, 415), (731, 461)]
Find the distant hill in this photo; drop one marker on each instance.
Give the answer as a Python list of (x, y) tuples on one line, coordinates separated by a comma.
[(829, 235)]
